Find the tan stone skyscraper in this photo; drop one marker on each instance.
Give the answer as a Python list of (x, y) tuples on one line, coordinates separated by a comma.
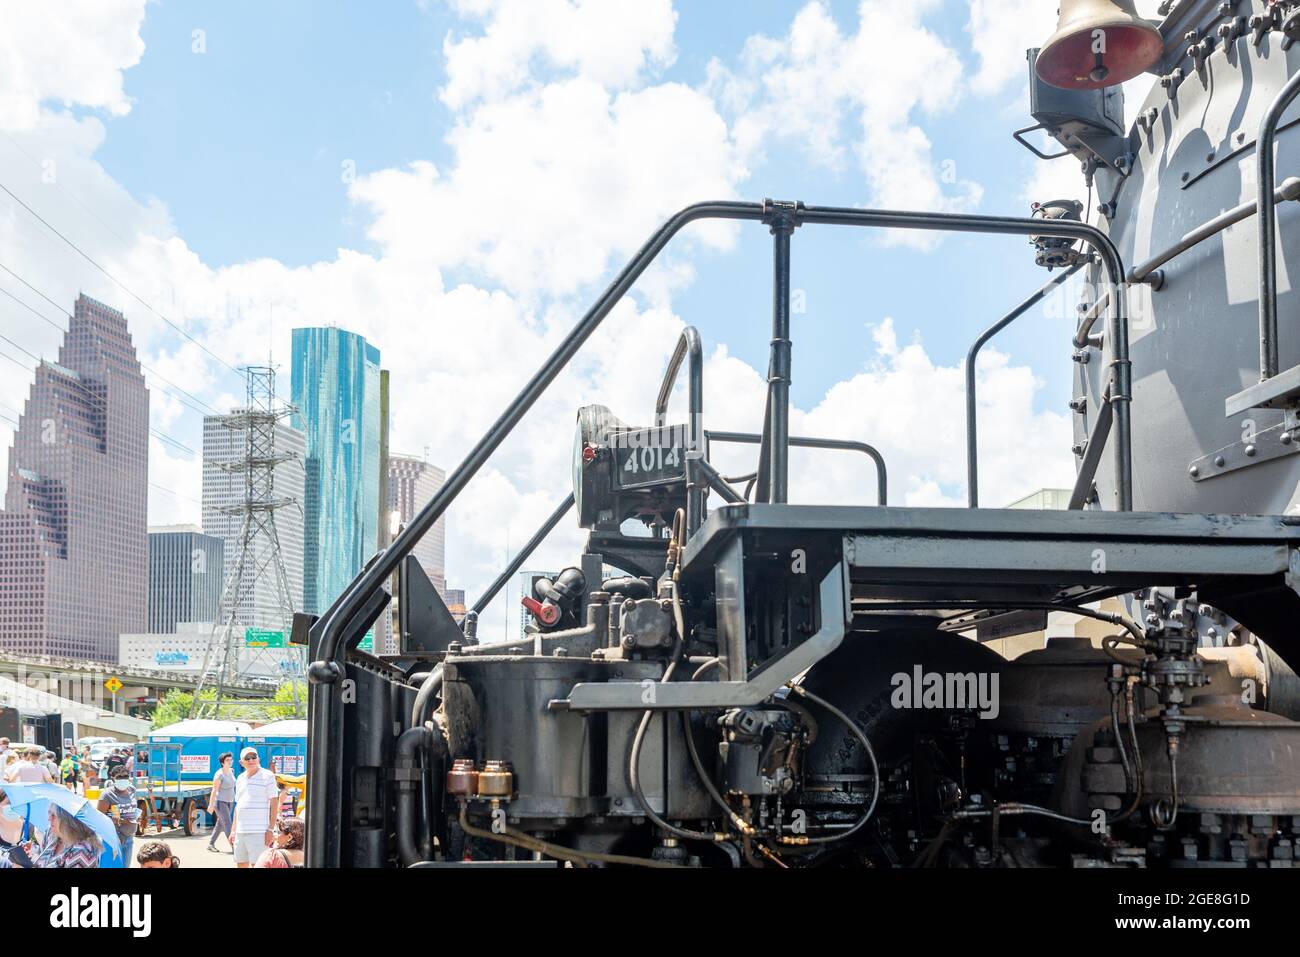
[(73, 533)]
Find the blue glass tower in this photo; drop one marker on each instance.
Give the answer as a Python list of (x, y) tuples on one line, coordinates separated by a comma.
[(335, 388)]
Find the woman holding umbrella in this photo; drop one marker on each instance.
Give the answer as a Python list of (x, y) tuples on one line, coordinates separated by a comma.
[(76, 836), (69, 842)]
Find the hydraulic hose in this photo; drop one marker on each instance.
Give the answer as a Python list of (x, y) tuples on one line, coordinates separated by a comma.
[(871, 756), (530, 843), (423, 706), (409, 744)]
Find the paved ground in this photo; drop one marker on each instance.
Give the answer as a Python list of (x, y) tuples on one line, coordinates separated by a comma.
[(192, 851)]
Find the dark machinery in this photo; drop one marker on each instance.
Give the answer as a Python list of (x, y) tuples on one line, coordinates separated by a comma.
[(763, 684)]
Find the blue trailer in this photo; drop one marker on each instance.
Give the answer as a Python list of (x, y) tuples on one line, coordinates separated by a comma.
[(174, 768)]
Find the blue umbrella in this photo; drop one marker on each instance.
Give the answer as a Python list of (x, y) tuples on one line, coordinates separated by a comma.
[(28, 802)]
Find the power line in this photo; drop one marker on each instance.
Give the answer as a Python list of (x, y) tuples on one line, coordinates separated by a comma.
[(67, 189), (163, 437), (152, 431), (207, 409), (30, 355), (186, 498), (121, 285)]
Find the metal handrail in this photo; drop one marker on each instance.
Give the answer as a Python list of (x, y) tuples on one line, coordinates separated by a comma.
[(1266, 176), (972, 441), (688, 345), (1148, 272), (802, 441), (326, 673)]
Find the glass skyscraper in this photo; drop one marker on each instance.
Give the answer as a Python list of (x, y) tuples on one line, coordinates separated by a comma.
[(335, 389)]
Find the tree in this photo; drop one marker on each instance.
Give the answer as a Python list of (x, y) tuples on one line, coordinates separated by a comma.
[(291, 701), (175, 705)]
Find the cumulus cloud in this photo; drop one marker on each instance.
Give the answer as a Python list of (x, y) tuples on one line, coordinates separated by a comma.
[(68, 51), (566, 150), (549, 185), (835, 96), (610, 42)]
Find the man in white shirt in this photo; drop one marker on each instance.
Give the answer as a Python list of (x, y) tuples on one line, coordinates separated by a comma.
[(257, 805)]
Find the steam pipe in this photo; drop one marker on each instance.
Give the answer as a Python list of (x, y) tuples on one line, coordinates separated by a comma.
[(1088, 319), (409, 777), (326, 672), (1146, 272), (1266, 175), (422, 709), (972, 440)]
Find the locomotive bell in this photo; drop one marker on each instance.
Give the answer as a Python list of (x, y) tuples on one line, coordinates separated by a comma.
[(1098, 43)]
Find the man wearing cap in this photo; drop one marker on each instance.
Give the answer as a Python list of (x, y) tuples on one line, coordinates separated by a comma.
[(257, 803)]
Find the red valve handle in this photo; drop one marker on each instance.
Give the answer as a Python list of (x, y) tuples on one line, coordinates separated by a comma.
[(546, 614)]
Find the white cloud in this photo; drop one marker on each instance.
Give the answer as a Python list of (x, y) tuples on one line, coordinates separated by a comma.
[(913, 411), (610, 42), (550, 184), (1001, 31), (69, 51), (564, 156), (834, 95)]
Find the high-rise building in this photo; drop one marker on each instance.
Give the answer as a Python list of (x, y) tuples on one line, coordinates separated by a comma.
[(223, 494), (455, 599), (411, 483), (335, 389), (185, 577), (73, 547)]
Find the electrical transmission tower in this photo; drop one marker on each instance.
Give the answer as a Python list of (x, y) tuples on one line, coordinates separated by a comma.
[(257, 557)]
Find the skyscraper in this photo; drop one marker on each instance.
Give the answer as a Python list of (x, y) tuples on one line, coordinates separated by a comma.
[(411, 483), (223, 491), (185, 577), (73, 549), (335, 388)]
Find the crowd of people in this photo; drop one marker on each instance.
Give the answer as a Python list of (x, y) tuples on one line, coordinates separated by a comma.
[(247, 809), (33, 764)]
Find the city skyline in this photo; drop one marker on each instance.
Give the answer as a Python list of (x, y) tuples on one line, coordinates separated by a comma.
[(428, 224), (80, 567)]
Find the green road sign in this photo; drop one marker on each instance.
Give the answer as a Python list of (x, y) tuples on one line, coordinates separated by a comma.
[(253, 638)]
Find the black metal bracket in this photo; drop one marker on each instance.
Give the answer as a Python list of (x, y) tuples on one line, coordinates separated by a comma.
[(1019, 136)]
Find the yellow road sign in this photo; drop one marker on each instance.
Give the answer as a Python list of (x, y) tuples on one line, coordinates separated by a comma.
[(114, 685)]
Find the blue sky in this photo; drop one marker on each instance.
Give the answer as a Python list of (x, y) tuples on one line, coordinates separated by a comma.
[(504, 157), (245, 146)]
